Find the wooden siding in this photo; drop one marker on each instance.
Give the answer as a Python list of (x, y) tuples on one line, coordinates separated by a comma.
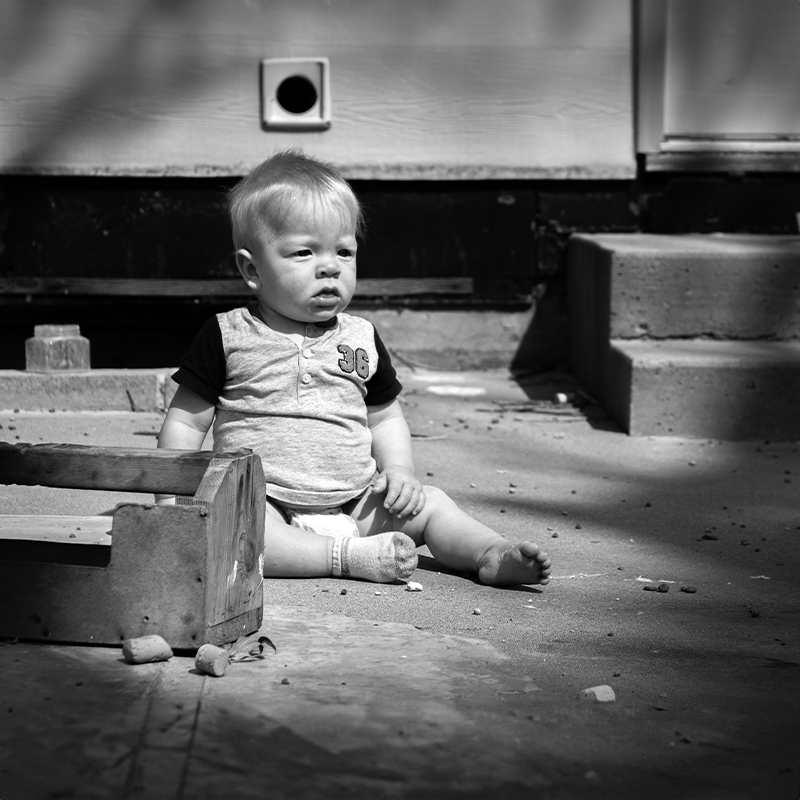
[(421, 89)]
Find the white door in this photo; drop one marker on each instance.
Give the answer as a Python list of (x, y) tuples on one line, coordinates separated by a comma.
[(719, 83)]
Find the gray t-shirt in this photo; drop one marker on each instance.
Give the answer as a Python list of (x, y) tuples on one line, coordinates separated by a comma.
[(302, 409)]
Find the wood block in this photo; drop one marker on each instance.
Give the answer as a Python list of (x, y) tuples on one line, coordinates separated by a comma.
[(223, 287), (192, 574), (57, 348)]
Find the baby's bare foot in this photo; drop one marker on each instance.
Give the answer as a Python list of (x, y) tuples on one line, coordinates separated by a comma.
[(507, 564)]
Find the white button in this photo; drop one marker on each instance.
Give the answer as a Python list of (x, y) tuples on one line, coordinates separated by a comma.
[(306, 378)]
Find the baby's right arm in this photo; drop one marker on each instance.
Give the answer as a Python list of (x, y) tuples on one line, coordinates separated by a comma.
[(185, 427)]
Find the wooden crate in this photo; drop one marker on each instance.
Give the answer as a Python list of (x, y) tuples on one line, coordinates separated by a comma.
[(191, 572)]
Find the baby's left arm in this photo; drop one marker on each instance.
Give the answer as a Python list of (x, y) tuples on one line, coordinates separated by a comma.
[(391, 447)]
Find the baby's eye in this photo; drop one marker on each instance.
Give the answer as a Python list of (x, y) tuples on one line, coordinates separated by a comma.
[(302, 253), (346, 253)]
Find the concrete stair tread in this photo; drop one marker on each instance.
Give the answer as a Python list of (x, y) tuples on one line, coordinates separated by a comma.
[(709, 353), (698, 244)]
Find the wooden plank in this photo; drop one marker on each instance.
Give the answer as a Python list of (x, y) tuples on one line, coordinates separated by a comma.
[(235, 287), (234, 493), (729, 162), (123, 469), (56, 529)]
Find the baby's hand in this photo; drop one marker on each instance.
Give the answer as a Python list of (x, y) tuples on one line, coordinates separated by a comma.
[(404, 494)]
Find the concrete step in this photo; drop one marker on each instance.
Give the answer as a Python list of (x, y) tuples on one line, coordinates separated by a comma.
[(693, 335), (724, 285), (701, 388)]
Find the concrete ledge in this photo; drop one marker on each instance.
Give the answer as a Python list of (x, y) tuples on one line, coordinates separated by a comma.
[(452, 339), (714, 389), (93, 390)]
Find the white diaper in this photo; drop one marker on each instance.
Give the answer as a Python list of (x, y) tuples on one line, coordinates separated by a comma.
[(327, 523)]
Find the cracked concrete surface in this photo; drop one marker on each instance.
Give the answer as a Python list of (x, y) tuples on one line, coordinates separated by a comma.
[(396, 694)]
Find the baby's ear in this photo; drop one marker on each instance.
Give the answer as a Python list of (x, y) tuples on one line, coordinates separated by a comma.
[(244, 261)]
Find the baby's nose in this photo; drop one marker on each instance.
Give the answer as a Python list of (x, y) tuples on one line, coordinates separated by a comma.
[(328, 266)]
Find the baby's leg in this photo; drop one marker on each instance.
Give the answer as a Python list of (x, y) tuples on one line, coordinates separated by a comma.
[(458, 541), (291, 552), (295, 552)]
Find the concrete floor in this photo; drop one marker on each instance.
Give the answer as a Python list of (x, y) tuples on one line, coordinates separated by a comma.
[(384, 693)]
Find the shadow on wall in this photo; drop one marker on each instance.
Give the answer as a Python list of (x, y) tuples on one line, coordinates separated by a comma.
[(131, 38)]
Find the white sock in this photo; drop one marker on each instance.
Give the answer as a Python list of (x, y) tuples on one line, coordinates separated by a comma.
[(382, 558)]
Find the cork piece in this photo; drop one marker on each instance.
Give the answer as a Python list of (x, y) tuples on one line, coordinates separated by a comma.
[(145, 649), (212, 660)]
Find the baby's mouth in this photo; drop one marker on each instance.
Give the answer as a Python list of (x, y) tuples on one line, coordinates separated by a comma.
[(330, 295)]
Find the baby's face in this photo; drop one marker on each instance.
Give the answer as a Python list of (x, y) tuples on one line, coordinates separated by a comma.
[(306, 271)]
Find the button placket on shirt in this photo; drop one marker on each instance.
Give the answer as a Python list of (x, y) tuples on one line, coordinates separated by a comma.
[(307, 354)]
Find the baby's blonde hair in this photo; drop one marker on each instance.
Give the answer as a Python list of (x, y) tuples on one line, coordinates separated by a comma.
[(288, 184)]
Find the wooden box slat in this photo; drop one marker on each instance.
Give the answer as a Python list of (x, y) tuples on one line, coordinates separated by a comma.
[(116, 469)]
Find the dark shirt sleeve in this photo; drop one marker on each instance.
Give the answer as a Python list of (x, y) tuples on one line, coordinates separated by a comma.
[(202, 369), (383, 386)]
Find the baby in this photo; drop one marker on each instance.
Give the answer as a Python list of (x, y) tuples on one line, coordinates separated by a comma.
[(312, 391)]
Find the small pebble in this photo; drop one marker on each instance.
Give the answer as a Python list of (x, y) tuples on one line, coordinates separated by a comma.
[(555, 536), (663, 588), (598, 694), (413, 586), (285, 682), (649, 587), (689, 589), (344, 591), (710, 536), (476, 612)]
